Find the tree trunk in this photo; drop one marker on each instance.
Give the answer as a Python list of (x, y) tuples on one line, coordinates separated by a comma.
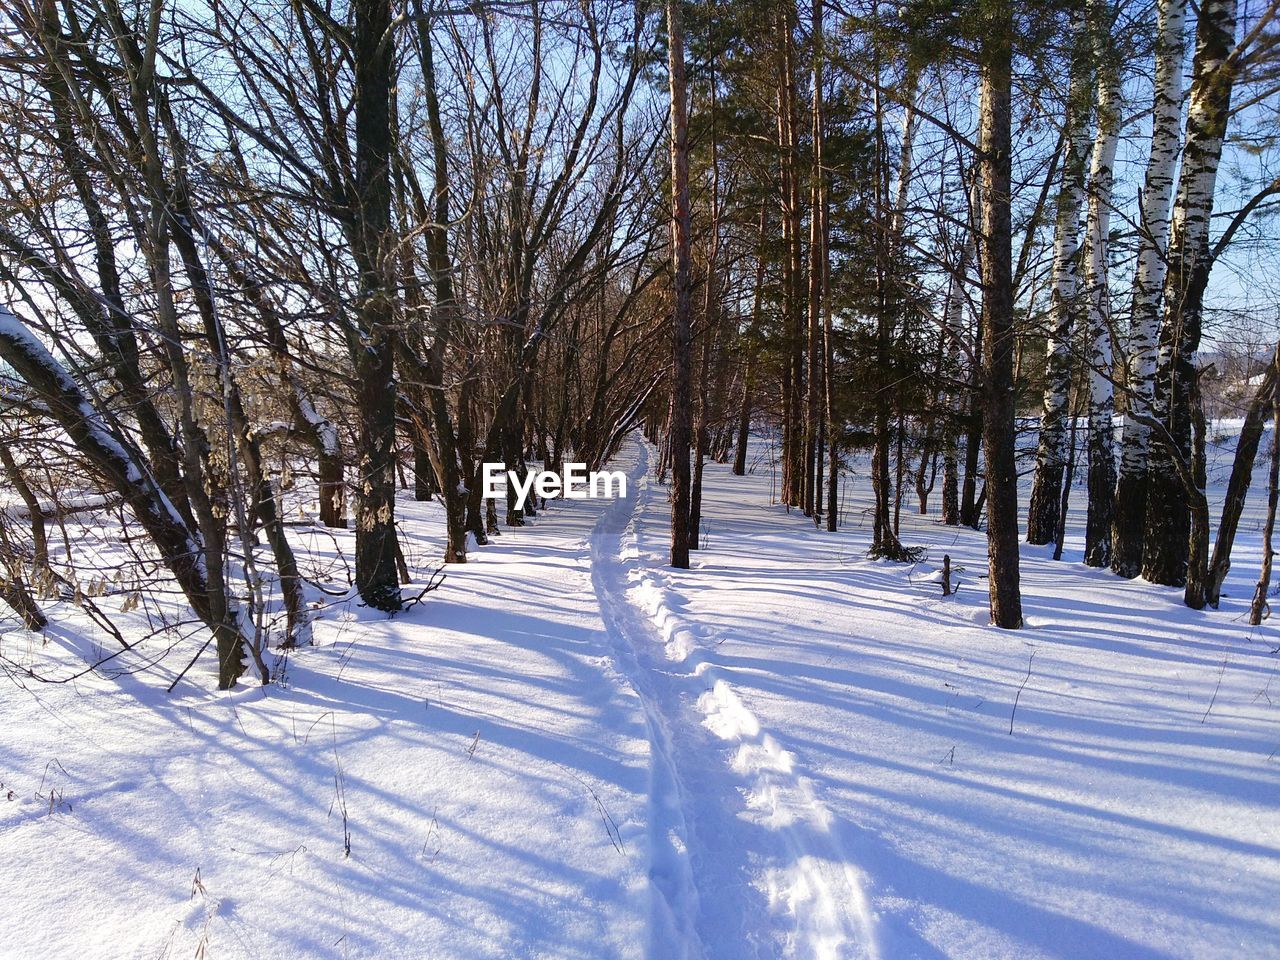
[(1259, 604), (884, 539), (1165, 538), (1068, 478), (970, 508), (793, 375), (1197, 589), (950, 469), (828, 336), (373, 246), (818, 271), (18, 598), (1130, 506), (39, 538), (753, 334), (1241, 477), (450, 449), (1046, 486), (744, 417), (1102, 470), (710, 329), (424, 474), (681, 394), (994, 144), (953, 332)]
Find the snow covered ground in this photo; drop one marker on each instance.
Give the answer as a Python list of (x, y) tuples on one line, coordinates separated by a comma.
[(571, 751)]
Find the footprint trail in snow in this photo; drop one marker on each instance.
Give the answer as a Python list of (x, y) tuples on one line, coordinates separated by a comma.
[(744, 862)]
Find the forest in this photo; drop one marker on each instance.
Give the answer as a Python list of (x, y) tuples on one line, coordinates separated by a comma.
[(918, 368)]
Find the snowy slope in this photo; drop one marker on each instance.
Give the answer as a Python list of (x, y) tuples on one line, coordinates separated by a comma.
[(570, 750)]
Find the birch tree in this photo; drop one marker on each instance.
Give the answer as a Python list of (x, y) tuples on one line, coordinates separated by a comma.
[(1102, 472), (1046, 486), (1167, 525), (1129, 508)]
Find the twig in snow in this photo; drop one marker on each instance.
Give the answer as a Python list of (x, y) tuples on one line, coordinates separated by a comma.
[(1214, 699), (307, 736), (1018, 696), (610, 825), (434, 582), (183, 673), (433, 833), (340, 794)]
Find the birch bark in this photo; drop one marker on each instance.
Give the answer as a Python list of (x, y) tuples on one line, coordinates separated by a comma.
[(1102, 470), (1165, 537), (1157, 197), (1046, 486)]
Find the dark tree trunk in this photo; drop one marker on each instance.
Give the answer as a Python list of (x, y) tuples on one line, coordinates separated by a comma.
[(1259, 604), (1068, 478), (452, 449), (1129, 514), (926, 473), (424, 474), (1197, 589), (970, 508), (710, 328), (749, 374), (950, 480), (373, 246), (681, 393), (1241, 478), (793, 379), (884, 539), (1046, 494), (1100, 514), (739, 467), (39, 538), (18, 598), (333, 490), (818, 282), (997, 320)]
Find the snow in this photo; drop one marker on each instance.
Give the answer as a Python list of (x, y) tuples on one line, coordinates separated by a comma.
[(492, 772), (571, 750), (323, 427)]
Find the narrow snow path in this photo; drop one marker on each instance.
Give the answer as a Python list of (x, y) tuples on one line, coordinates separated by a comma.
[(744, 862)]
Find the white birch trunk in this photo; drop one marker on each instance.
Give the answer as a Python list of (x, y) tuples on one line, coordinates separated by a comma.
[(1102, 473), (910, 86), (1153, 239), (1165, 537), (1046, 491)]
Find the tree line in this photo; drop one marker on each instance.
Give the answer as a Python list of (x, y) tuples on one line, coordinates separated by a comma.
[(252, 249)]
